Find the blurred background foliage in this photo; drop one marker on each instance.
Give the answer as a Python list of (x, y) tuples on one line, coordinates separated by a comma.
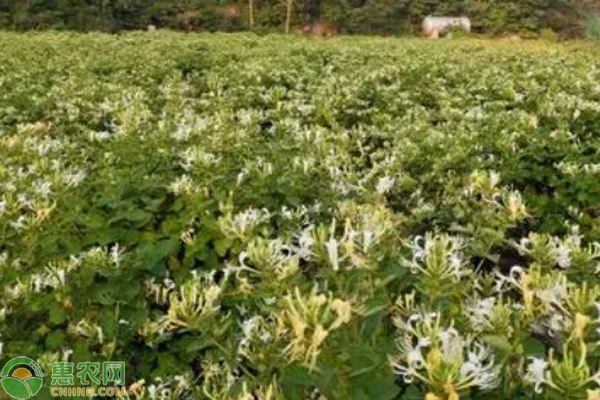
[(566, 18)]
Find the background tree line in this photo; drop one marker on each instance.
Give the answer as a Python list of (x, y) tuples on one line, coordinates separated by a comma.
[(565, 17)]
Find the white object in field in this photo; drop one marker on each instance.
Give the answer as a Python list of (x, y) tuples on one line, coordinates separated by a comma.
[(151, 28), (434, 27)]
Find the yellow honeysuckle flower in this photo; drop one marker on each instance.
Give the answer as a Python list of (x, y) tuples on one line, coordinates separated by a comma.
[(452, 395), (593, 394), (581, 322)]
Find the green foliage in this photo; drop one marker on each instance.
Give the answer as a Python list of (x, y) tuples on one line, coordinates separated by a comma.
[(591, 26), (353, 16), (548, 35), (242, 217)]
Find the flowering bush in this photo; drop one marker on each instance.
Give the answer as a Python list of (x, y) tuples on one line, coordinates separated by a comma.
[(265, 218)]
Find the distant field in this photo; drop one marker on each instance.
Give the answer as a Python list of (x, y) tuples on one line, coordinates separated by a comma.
[(244, 217)]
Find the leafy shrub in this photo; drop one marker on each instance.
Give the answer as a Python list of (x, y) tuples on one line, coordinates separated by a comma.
[(548, 35), (592, 27), (252, 217)]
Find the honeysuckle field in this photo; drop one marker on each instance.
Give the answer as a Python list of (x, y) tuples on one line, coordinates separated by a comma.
[(245, 217)]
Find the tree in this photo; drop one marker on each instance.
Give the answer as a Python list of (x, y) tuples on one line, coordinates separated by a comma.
[(288, 14), (355, 16)]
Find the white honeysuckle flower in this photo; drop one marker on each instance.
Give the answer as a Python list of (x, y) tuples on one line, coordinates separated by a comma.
[(368, 238), (270, 301), (332, 252), (480, 312), (414, 358), (249, 325), (100, 136), (500, 283), (169, 283), (38, 282), (385, 184), (451, 345), (305, 243), (480, 366), (556, 324), (524, 246), (425, 247), (424, 342), (24, 200), (419, 251), (242, 258), (574, 237), (265, 337), (553, 295), (42, 188), (67, 354), (515, 205), (564, 256), (230, 270), (245, 116), (536, 373), (446, 347), (100, 334), (407, 373), (194, 156), (286, 213), (248, 219), (182, 184), (115, 255), (494, 178), (455, 261), (152, 391), (349, 235), (72, 179)]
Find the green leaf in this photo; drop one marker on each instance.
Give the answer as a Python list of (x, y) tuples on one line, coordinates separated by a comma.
[(222, 245), (499, 343), (57, 315), (55, 340), (378, 387), (533, 347), (151, 254), (413, 393)]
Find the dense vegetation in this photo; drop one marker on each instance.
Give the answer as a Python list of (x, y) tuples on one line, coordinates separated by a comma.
[(565, 17), (239, 217)]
